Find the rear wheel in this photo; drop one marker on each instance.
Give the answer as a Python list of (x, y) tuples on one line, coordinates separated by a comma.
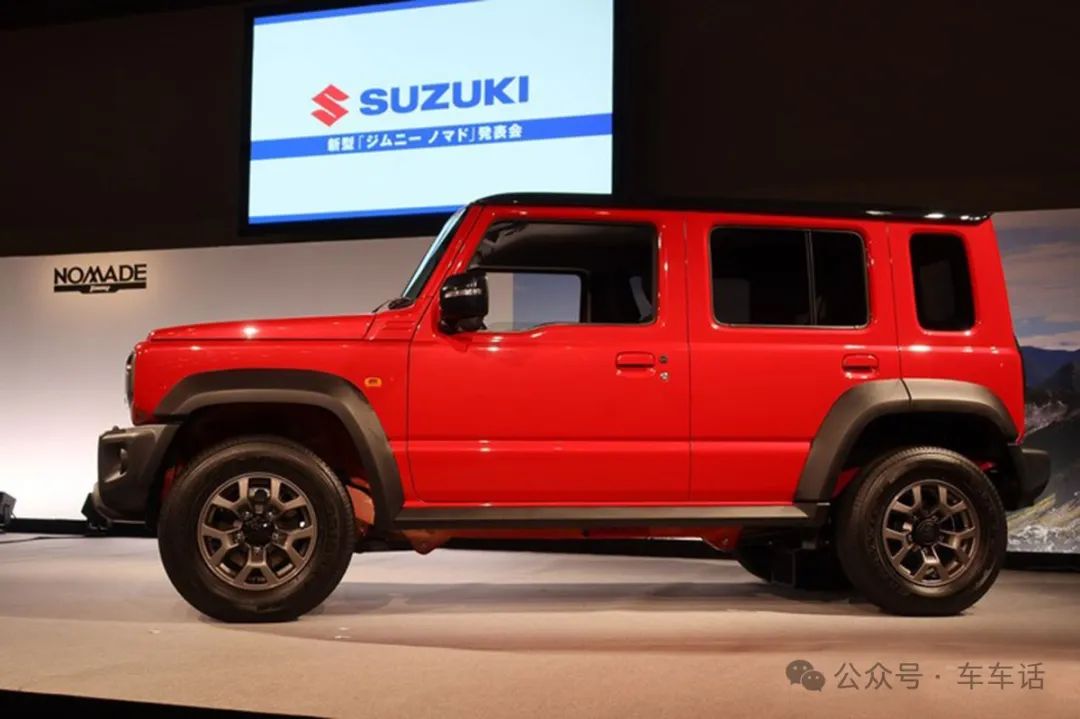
[(256, 529), (922, 532)]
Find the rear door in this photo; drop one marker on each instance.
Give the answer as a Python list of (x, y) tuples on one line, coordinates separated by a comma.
[(786, 314)]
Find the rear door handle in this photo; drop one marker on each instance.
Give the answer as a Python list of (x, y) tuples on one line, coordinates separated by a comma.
[(635, 360), (860, 363)]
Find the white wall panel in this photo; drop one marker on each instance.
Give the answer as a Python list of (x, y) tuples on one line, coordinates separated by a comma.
[(62, 353)]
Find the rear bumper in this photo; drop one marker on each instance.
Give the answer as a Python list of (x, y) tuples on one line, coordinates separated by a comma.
[(1032, 472), (128, 464)]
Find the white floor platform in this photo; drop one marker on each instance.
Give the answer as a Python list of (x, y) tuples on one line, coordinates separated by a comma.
[(478, 634)]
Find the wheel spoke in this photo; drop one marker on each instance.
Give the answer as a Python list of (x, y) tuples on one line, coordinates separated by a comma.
[(962, 555), (286, 545), (283, 506), (221, 503), (929, 562), (898, 558), (256, 562), (895, 534), (940, 567), (246, 570), (942, 495), (908, 509), (227, 541), (296, 535), (917, 498), (243, 485), (948, 510)]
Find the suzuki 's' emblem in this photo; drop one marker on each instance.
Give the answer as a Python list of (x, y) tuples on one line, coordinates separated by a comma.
[(329, 102)]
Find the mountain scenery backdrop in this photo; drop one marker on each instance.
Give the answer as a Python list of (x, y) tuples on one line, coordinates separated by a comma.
[(1041, 256)]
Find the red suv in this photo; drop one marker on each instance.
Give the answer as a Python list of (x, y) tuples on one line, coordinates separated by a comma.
[(832, 392)]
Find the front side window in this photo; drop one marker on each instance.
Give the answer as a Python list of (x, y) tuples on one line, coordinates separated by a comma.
[(942, 279), (542, 273), (788, 277)]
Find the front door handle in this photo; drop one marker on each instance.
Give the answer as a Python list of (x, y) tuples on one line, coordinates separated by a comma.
[(635, 360), (864, 362)]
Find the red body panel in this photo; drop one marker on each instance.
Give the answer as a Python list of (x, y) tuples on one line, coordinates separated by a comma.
[(545, 417), (160, 365), (350, 327), (986, 354), (760, 393)]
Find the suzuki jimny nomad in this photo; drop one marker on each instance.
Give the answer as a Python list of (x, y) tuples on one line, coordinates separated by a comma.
[(834, 393)]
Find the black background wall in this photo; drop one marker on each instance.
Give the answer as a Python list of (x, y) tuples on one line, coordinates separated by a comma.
[(121, 127)]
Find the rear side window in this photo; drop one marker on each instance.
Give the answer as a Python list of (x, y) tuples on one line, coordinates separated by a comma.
[(788, 277), (942, 279)]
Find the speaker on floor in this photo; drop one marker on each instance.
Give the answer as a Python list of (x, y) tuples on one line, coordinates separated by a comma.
[(7, 509)]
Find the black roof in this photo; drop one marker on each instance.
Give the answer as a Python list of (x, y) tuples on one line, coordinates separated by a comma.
[(748, 206)]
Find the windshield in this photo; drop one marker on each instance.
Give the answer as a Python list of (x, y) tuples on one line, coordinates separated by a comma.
[(432, 257)]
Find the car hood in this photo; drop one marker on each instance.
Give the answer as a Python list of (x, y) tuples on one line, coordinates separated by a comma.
[(346, 327)]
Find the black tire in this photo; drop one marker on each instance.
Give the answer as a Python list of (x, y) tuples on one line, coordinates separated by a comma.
[(179, 542), (865, 554)]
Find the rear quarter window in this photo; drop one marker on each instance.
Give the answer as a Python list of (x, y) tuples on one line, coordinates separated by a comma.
[(942, 279)]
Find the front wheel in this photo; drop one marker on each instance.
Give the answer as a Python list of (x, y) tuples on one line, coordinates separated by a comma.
[(922, 532), (256, 529)]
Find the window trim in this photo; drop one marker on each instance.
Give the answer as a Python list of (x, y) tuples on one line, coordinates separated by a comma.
[(807, 233), (948, 232), (586, 291)]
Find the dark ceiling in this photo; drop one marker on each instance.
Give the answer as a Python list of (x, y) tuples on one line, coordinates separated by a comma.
[(30, 13), (122, 120)]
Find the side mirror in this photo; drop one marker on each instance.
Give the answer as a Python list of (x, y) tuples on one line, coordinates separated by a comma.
[(463, 302)]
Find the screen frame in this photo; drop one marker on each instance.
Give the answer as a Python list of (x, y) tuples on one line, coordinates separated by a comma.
[(406, 225)]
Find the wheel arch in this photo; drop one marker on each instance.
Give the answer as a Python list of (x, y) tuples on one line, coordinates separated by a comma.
[(880, 414), (307, 389)]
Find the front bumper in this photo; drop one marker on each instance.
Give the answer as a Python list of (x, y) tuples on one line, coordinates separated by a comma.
[(1032, 472), (129, 461)]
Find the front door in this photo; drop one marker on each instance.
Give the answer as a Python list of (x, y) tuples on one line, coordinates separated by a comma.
[(577, 388)]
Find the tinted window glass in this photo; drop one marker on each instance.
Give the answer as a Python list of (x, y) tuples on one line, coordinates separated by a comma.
[(760, 277), (942, 279), (839, 279), (763, 277), (568, 272)]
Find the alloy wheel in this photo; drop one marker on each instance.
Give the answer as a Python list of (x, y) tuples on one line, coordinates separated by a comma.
[(930, 533), (257, 531)]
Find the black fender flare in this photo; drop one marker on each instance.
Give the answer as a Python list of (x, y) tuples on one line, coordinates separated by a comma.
[(301, 387), (859, 406)]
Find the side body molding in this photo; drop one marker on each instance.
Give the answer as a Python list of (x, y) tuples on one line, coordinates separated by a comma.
[(862, 404), (304, 387)]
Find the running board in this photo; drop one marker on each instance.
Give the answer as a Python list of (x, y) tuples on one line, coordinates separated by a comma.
[(807, 514)]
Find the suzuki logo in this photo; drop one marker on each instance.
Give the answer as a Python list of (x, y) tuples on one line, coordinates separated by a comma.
[(330, 109)]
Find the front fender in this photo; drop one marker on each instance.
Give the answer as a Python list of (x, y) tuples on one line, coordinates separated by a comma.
[(301, 387)]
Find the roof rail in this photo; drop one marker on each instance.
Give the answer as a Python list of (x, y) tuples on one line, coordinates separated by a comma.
[(742, 205)]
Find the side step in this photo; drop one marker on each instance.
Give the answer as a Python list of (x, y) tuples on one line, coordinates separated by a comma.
[(806, 514)]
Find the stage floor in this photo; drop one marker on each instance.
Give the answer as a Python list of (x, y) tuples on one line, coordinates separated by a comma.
[(465, 633)]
